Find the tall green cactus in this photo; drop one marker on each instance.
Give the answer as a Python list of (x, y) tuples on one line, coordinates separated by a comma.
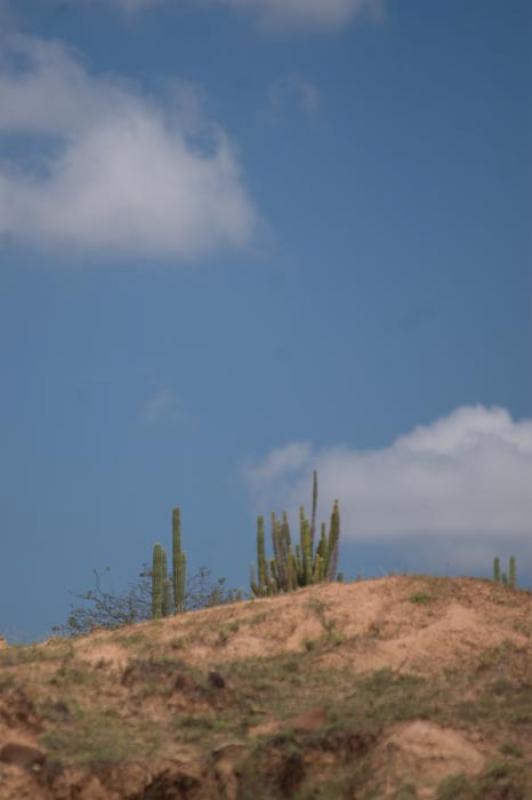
[(168, 597), (314, 506), (179, 563), (512, 573), (506, 578), (158, 576), (168, 592), (308, 564), (333, 544)]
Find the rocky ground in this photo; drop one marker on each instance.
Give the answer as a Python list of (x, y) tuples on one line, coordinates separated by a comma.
[(401, 687)]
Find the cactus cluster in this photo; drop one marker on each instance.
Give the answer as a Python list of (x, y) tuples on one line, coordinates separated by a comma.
[(168, 593), (507, 578), (307, 563)]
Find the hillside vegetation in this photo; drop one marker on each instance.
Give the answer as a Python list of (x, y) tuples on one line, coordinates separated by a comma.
[(400, 687)]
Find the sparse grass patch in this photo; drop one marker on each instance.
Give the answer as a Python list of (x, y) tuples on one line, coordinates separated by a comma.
[(453, 787), (500, 781), (222, 639), (504, 781), (179, 643), (132, 640), (332, 635), (74, 674), (17, 655), (420, 598), (97, 737), (299, 766), (202, 728), (406, 792), (384, 697), (7, 682), (510, 749), (258, 619), (500, 702)]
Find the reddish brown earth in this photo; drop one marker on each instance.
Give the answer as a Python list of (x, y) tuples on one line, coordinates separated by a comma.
[(400, 688)]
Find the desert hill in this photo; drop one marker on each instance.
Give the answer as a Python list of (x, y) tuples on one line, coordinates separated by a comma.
[(400, 688)]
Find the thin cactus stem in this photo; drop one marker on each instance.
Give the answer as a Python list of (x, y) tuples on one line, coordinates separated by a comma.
[(512, 573), (261, 558), (176, 557), (181, 583), (158, 575), (334, 536), (253, 583), (314, 507)]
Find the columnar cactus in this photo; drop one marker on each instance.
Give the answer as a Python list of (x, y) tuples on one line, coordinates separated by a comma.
[(168, 597), (334, 540), (168, 592), (262, 565), (158, 576), (314, 506), (506, 578), (307, 565), (512, 574), (179, 563)]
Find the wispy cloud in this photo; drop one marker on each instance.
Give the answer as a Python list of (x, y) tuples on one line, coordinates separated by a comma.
[(281, 14), (162, 406), (119, 171), (293, 92), (307, 14), (467, 474)]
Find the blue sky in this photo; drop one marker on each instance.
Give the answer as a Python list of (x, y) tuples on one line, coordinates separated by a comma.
[(242, 239)]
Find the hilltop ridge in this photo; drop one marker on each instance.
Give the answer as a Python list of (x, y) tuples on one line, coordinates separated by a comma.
[(398, 687)]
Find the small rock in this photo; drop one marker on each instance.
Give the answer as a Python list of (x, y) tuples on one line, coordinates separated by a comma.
[(291, 775), (61, 709), (20, 755), (216, 680)]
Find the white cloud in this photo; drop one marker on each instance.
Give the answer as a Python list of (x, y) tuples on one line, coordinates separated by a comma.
[(289, 459), (306, 13), (467, 474), (120, 172), (282, 14)]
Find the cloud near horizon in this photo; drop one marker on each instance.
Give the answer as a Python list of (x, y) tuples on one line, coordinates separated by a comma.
[(117, 171), (467, 474)]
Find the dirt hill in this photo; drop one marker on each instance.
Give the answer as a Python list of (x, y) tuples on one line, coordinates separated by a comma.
[(402, 687)]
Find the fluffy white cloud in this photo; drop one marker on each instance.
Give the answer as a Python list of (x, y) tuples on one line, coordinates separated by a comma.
[(467, 474), (117, 171)]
